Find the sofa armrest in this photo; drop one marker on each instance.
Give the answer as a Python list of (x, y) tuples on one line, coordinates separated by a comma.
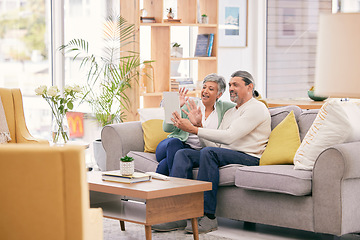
[(119, 139), (335, 189)]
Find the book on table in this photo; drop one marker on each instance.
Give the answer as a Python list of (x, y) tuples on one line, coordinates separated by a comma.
[(116, 176)]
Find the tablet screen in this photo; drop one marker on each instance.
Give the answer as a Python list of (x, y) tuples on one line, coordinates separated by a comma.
[(171, 104)]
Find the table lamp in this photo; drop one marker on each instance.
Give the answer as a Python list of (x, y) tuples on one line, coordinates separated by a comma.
[(338, 56)]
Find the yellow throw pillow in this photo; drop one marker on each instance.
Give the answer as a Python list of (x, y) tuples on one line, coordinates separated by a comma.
[(153, 134), (283, 142)]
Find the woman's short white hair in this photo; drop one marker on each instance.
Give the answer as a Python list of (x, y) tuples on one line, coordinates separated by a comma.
[(220, 80)]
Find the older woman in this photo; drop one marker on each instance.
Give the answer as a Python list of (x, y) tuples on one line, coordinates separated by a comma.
[(212, 110)]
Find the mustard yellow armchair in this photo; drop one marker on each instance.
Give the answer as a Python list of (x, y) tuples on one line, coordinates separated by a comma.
[(14, 111), (44, 194)]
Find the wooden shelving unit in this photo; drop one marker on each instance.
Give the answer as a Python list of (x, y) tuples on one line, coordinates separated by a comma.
[(161, 43)]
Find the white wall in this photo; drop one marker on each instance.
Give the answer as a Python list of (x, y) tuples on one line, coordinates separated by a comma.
[(252, 57)]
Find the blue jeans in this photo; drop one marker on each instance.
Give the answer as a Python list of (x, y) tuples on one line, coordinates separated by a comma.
[(208, 159), (165, 152)]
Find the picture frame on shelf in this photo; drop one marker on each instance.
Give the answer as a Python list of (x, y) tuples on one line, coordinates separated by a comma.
[(233, 21)]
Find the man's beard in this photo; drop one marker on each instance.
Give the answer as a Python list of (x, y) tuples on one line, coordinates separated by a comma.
[(234, 98)]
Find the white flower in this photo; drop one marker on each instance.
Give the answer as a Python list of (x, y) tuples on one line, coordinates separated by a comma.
[(77, 88), (41, 90), (53, 91), (68, 88)]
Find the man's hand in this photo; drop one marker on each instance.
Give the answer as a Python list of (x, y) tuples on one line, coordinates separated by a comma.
[(182, 94), (194, 113), (183, 124)]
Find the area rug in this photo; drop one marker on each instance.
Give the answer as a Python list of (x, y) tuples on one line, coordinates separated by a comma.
[(134, 231)]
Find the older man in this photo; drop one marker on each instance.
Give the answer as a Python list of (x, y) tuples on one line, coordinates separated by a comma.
[(240, 139)]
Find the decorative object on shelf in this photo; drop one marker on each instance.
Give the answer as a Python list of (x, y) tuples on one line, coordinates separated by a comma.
[(59, 105), (147, 76), (204, 19), (233, 23), (110, 74), (314, 97), (176, 50), (126, 166), (143, 12), (170, 14)]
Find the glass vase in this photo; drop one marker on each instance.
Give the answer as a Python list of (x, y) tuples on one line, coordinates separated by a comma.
[(147, 75), (60, 130)]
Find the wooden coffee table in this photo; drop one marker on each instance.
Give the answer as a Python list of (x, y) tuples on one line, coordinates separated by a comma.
[(160, 201)]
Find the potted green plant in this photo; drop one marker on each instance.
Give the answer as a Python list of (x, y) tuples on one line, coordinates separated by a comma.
[(109, 75), (204, 19), (176, 50), (127, 165)]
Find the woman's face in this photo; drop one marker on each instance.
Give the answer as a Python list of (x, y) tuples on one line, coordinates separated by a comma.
[(209, 93)]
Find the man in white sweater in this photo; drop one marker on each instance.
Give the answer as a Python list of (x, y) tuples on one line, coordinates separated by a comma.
[(240, 139)]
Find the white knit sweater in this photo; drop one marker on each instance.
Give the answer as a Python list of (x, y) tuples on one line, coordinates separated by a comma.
[(246, 129)]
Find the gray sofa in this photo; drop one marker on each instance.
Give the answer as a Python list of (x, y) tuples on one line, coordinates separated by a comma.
[(325, 200)]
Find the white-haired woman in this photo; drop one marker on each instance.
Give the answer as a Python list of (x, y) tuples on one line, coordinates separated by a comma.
[(212, 110)]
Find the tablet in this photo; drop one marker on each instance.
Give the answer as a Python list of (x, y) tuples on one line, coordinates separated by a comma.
[(171, 104)]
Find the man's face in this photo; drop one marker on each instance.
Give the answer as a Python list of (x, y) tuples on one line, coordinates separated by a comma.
[(239, 92)]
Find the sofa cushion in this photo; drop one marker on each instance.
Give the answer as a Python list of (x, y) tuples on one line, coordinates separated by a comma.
[(226, 174), (144, 162), (283, 142), (305, 120), (274, 178), (279, 113)]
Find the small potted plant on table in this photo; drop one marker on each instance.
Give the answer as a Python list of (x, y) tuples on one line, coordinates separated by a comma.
[(127, 166)]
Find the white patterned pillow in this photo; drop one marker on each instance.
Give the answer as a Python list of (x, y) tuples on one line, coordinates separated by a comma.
[(331, 126)]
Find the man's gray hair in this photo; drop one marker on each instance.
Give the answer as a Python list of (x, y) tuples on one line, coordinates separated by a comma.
[(220, 80), (246, 77)]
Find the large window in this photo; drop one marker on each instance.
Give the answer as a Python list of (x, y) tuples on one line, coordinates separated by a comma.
[(24, 56), (84, 19), (292, 28), (27, 31)]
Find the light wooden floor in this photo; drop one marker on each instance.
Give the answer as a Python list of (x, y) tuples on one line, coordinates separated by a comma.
[(228, 229)]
